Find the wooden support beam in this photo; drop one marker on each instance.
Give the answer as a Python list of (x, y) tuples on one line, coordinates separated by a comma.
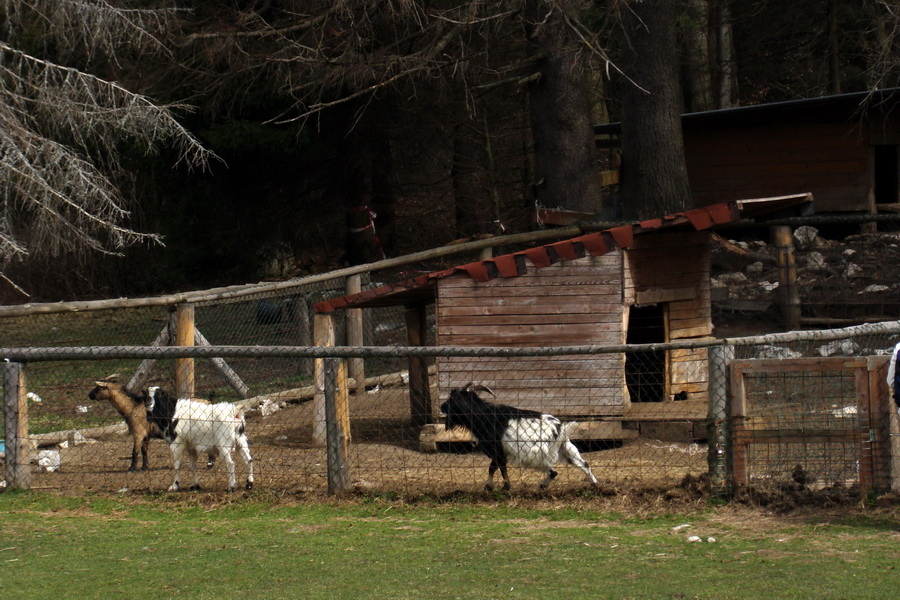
[(788, 292), (15, 407), (139, 379), (419, 393), (184, 336)]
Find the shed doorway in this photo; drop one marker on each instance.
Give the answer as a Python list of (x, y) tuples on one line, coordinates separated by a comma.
[(645, 371), (887, 186)]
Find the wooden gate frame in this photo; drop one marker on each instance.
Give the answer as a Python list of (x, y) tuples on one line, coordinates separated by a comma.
[(878, 420)]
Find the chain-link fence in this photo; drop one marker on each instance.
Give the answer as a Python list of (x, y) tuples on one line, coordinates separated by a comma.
[(815, 418)]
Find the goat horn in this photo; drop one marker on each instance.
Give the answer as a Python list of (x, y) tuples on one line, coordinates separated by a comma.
[(484, 388), (111, 378)]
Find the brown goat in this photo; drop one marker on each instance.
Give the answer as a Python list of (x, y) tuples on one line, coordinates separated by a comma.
[(134, 410)]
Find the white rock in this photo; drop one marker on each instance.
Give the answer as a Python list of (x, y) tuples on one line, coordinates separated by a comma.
[(732, 278), (694, 538), (268, 407), (875, 288), (711, 540), (48, 460), (770, 351), (755, 268), (845, 347), (680, 527), (806, 236), (816, 261), (853, 270)]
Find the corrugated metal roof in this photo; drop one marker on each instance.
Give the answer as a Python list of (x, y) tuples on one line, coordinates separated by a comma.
[(423, 288)]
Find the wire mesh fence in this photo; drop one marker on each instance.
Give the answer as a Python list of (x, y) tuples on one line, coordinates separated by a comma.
[(804, 420)]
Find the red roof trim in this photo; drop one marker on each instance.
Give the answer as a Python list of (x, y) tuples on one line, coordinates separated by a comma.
[(538, 257), (564, 250), (595, 244), (623, 235), (506, 265)]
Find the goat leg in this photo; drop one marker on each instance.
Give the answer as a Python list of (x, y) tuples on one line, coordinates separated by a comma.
[(192, 457), (489, 484), (571, 454), (134, 455), (244, 450), (551, 475), (229, 466), (177, 452), (144, 445), (505, 476)]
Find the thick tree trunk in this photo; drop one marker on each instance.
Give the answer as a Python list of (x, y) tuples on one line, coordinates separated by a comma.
[(564, 152), (654, 174)]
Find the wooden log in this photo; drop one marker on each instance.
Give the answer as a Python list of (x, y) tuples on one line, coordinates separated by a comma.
[(240, 291), (234, 380), (42, 440), (184, 336), (15, 407)]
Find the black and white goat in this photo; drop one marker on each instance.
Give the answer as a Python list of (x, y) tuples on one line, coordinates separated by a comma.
[(196, 427), (508, 435)]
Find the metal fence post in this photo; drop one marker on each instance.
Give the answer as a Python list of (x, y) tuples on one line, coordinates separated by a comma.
[(337, 425), (718, 429), (15, 408)]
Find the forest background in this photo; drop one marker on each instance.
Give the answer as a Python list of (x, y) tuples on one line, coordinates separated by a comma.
[(150, 147)]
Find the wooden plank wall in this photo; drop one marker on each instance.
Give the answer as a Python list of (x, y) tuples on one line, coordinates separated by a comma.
[(673, 269), (831, 160), (574, 303)]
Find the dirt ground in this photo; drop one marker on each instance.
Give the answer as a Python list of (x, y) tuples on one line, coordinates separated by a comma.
[(384, 458)]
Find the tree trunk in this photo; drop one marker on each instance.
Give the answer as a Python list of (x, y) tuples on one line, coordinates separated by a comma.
[(725, 65), (834, 49), (564, 153), (654, 174), (698, 68)]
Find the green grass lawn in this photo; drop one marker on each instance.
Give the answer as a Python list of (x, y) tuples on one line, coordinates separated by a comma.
[(205, 546)]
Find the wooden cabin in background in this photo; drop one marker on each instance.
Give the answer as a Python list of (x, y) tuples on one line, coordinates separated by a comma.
[(642, 283), (843, 149)]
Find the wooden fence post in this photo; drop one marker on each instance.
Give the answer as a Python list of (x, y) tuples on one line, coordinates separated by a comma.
[(720, 358), (184, 336), (323, 335), (355, 335), (788, 293), (18, 459), (337, 418)]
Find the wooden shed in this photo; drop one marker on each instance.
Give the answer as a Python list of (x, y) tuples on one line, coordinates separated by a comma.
[(647, 282), (843, 149)]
